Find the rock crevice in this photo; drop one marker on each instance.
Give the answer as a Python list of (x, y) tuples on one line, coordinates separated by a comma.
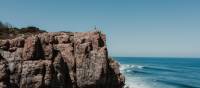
[(58, 60)]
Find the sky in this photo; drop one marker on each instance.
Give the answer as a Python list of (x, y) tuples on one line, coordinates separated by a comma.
[(134, 28)]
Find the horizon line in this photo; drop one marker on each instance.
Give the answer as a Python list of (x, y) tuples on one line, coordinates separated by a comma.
[(155, 57)]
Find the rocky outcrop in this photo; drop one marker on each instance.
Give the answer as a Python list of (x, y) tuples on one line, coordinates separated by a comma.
[(58, 60)]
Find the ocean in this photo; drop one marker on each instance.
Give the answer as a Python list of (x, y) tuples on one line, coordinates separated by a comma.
[(150, 72)]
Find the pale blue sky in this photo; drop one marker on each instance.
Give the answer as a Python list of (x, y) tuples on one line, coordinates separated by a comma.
[(134, 27)]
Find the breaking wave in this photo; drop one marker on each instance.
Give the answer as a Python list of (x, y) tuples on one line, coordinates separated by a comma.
[(145, 76)]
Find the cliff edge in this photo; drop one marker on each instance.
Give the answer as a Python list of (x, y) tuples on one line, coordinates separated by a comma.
[(58, 60)]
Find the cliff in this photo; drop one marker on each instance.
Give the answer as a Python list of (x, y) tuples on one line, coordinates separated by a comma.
[(58, 60)]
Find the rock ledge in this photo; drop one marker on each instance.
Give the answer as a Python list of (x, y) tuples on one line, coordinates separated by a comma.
[(58, 60)]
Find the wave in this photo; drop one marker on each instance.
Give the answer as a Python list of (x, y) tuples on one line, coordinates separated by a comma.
[(130, 66), (141, 72), (136, 82), (131, 80), (177, 84), (140, 69), (159, 69), (149, 76), (160, 73)]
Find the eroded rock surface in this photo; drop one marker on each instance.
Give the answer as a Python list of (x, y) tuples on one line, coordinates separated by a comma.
[(58, 60)]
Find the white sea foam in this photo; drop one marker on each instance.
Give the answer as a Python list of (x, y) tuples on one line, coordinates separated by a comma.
[(136, 82), (131, 80), (130, 66)]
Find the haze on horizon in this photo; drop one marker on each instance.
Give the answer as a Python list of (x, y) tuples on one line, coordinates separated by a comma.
[(144, 28)]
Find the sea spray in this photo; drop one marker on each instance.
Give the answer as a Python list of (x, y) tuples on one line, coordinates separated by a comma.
[(160, 73)]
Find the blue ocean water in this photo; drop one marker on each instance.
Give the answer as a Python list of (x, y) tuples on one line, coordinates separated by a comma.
[(150, 72)]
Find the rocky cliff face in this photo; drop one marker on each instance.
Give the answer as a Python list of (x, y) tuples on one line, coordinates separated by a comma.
[(58, 60)]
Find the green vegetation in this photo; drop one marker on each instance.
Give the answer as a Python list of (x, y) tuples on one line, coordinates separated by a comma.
[(9, 32)]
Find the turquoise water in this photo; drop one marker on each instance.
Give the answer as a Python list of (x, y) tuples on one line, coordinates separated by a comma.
[(144, 72)]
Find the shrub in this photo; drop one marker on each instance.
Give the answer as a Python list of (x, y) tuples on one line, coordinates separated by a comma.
[(8, 32)]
